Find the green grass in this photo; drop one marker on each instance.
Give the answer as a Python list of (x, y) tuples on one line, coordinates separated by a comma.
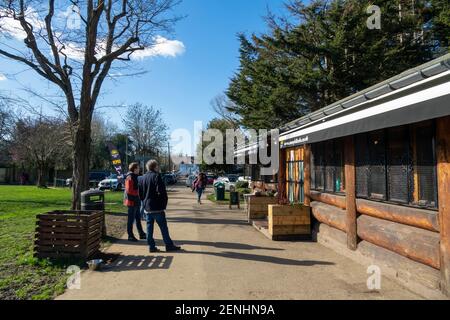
[(212, 197), (21, 275)]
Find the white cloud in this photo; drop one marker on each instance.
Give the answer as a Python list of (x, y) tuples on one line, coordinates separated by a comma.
[(163, 48), (2, 77)]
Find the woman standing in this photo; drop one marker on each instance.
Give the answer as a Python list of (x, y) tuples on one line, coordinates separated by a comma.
[(133, 202), (199, 186)]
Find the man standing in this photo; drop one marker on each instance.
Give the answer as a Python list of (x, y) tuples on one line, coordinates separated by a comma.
[(133, 202), (152, 191)]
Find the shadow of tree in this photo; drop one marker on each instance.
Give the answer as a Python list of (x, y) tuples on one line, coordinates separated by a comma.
[(265, 259), (226, 245)]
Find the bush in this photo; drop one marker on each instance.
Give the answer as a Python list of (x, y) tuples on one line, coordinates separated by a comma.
[(243, 191), (242, 185)]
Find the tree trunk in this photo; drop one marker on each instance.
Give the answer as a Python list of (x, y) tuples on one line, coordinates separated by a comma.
[(81, 152), (41, 183)]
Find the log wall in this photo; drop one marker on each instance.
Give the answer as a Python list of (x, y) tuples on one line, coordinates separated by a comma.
[(443, 171)]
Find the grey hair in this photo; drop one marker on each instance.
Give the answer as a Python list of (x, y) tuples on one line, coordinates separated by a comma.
[(152, 165)]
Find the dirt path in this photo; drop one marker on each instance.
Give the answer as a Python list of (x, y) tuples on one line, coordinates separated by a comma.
[(225, 258)]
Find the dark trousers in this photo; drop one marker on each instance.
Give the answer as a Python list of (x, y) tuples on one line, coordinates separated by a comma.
[(160, 219), (199, 193), (134, 214)]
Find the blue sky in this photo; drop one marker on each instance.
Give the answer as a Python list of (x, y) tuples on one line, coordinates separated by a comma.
[(181, 86)]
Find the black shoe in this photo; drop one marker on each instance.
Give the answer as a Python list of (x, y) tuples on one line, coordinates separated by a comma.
[(154, 250), (173, 248), (132, 239), (143, 236)]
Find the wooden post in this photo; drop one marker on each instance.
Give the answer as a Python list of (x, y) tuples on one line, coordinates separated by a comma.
[(350, 192), (443, 173), (282, 196), (307, 169)]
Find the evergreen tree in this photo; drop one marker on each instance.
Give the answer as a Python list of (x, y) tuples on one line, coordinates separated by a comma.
[(326, 52)]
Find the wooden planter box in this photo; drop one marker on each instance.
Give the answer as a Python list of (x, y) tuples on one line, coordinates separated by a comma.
[(289, 222), (68, 234), (258, 206)]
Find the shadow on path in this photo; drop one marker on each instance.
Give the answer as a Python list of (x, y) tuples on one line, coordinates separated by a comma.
[(136, 263), (225, 245), (265, 259), (207, 221)]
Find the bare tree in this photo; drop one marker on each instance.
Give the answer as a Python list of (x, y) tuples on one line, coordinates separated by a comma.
[(146, 128), (41, 142), (78, 59), (6, 122)]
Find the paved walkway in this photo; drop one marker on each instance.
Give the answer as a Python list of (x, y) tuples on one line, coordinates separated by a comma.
[(225, 258)]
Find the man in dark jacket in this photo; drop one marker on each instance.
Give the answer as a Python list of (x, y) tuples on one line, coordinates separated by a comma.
[(133, 202), (152, 191)]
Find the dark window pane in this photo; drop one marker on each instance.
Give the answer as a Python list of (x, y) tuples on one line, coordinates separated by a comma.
[(362, 166), (319, 166), (424, 165), (329, 166), (398, 164), (377, 154), (339, 166)]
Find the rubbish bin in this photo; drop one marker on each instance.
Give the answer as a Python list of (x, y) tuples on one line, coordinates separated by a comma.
[(219, 189), (93, 200)]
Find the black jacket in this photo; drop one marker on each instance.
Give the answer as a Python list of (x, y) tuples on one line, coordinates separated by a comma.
[(152, 192)]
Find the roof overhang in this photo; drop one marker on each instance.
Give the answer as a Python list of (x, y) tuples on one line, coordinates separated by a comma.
[(421, 100)]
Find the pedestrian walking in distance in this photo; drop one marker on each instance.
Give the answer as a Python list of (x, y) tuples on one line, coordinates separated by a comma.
[(152, 191), (199, 186), (133, 202)]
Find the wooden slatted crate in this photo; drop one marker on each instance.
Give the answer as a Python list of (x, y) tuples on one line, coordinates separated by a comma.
[(68, 234), (289, 222), (258, 207)]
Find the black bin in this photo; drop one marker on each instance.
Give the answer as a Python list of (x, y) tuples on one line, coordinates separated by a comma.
[(93, 200)]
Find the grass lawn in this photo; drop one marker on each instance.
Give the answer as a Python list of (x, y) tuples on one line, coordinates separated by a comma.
[(212, 197), (21, 275)]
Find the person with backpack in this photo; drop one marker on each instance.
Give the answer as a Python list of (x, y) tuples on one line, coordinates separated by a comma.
[(133, 202), (152, 191), (199, 185)]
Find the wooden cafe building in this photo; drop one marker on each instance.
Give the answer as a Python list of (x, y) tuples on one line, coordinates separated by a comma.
[(374, 172)]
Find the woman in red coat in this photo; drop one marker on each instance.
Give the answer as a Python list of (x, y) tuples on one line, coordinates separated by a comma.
[(199, 185), (133, 202)]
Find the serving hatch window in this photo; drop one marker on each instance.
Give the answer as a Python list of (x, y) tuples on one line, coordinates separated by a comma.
[(398, 165)]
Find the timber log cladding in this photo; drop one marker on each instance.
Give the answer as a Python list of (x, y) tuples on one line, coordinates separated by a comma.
[(331, 199), (329, 215), (289, 222), (443, 172), (424, 219), (417, 244)]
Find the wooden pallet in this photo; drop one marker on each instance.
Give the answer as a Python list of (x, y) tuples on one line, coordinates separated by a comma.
[(68, 234)]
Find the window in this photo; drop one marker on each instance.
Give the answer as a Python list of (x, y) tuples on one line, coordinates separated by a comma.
[(398, 165), (295, 175), (424, 176), (327, 166)]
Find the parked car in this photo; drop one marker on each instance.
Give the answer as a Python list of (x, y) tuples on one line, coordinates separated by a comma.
[(94, 178), (210, 179), (190, 181), (245, 179), (113, 182), (233, 178), (226, 181), (169, 179)]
